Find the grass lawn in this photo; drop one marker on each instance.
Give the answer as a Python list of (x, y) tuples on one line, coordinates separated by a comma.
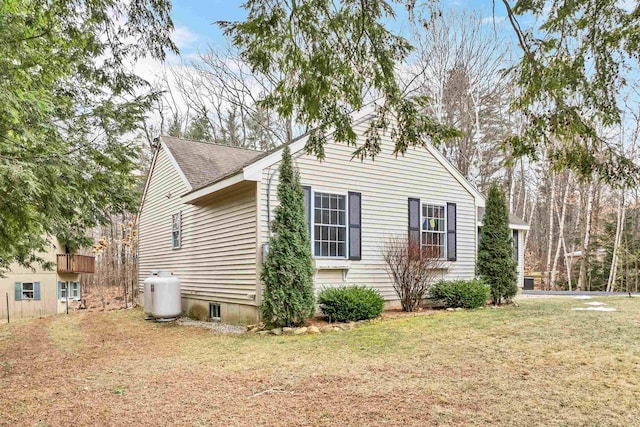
[(536, 364)]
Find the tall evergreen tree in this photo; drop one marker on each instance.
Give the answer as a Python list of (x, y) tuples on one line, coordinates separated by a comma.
[(288, 269), (496, 263), (199, 130), (231, 132), (69, 101)]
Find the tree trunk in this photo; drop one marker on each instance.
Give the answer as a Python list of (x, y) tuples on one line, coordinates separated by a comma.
[(551, 203), (584, 262), (526, 235), (563, 215), (616, 243)]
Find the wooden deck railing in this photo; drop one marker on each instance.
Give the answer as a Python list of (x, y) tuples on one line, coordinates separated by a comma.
[(73, 263)]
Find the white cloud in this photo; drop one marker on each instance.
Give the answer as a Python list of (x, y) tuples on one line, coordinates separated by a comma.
[(493, 19), (183, 37)]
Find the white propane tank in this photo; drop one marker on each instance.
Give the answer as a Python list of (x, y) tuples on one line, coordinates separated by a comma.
[(165, 296), (148, 301)]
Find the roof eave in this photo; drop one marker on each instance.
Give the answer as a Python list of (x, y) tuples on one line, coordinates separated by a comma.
[(176, 166), (195, 196), (512, 226)]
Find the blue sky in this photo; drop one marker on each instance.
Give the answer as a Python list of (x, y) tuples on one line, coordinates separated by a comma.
[(195, 29)]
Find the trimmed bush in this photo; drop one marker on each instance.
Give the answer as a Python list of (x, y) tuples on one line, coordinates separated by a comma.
[(460, 293), (349, 303)]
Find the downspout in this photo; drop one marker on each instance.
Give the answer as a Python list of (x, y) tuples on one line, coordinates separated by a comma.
[(270, 174)]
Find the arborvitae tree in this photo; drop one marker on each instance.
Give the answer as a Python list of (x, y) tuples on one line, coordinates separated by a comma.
[(288, 268), (496, 263)]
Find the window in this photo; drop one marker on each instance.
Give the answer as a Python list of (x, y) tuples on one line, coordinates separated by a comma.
[(72, 287), (214, 311), (434, 230), (330, 225), (27, 291), (175, 230), (74, 290)]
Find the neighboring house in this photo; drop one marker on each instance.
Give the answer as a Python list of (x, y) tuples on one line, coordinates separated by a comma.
[(207, 208), (34, 293)]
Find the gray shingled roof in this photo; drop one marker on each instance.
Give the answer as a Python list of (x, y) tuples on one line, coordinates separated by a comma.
[(514, 220), (204, 163)]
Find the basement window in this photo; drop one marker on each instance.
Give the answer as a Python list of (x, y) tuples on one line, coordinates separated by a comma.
[(214, 311)]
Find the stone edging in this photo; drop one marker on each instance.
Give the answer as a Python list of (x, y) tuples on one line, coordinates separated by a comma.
[(259, 329)]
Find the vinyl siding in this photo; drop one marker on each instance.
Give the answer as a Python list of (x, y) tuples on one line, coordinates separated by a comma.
[(385, 184), (48, 279), (521, 234), (217, 257)]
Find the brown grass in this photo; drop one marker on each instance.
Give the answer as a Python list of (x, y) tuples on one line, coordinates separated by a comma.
[(537, 364)]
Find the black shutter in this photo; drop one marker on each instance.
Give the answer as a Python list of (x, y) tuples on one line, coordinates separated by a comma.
[(452, 243), (307, 207), (515, 245), (355, 226), (414, 220)]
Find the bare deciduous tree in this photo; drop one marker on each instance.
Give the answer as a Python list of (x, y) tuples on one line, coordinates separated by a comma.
[(459, 65)]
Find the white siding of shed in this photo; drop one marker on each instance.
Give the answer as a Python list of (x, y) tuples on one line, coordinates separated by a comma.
[(521, 234), (217, 257), (385, 184)]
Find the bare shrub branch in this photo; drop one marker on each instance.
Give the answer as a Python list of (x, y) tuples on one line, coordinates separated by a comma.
[(413, 270)]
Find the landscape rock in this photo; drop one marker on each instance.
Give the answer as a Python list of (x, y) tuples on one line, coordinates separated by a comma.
[(314, 330), (326, 328), (263, 333), (450, 309), (287, 331), (300, 331), (276, 331)]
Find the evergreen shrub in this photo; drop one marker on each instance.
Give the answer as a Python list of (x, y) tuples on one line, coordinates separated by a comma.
[(350, 303), (460, 293)]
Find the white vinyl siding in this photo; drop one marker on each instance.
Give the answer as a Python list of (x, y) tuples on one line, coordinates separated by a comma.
[(385, 184), (521, 234), (217, 259)]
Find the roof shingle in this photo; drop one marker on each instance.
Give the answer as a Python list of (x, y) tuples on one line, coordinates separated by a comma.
[(204, 163), (513, 219)]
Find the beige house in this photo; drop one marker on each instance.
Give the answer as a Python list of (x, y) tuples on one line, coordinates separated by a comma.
[(30, 293), (207, 208)]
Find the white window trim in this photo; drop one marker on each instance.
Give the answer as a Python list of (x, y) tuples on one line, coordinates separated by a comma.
[(73, 289), (438, 204), (67, 286), (33, 291), (313, 222), (179, 230)]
